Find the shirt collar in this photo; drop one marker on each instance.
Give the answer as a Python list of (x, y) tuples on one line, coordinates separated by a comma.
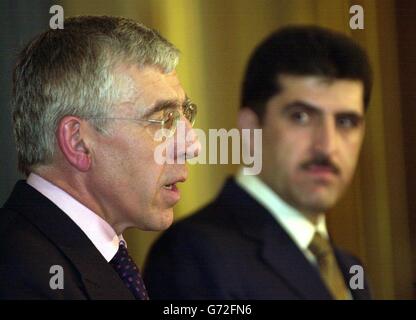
[(101, 234), (296, 225)]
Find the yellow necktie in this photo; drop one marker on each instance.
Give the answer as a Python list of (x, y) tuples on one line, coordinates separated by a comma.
[(328, 267)]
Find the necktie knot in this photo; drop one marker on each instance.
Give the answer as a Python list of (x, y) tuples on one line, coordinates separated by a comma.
[(129, 272), (319, 246)]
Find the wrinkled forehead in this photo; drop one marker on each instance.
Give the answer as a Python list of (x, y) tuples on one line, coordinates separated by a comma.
[(151, 85)]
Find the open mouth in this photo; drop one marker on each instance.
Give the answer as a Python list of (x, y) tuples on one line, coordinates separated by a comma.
[(170, 186), (171, 193)]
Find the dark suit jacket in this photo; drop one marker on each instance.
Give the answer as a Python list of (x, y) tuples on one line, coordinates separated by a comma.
[(234, 249), (35, 235)]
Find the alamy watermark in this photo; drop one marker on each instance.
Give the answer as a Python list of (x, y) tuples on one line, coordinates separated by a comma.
[(246, 147), (357, 278), (57, 280), (57, 20), (357, 20)]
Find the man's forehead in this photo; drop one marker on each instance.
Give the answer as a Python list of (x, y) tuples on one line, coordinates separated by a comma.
[(293, 80), (336, 95), (152, 76), (152, 85)]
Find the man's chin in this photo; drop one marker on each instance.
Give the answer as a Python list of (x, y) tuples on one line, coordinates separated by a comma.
[(165, 225), (318, 201), (163, 221), (320, 205)]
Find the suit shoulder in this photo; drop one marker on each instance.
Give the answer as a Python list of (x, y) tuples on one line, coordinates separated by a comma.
[(347, 257), (17, 232), (27, 256), (214, 215), (201, 235)]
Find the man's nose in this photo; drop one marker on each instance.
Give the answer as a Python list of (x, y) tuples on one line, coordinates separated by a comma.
[(187, 142), (325, 137)]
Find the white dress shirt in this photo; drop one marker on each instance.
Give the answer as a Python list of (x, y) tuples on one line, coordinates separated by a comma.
[(101, 234), (296, 225)]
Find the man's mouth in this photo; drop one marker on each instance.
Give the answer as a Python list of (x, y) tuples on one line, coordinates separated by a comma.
[(171, 192), (321, 166), (171, 187), (322, 169)]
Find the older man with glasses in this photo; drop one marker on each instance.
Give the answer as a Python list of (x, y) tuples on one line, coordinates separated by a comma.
[(88, 103)]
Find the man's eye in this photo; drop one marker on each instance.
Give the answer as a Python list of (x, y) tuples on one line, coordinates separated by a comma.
[(161, 115), (347, 122), (300, 117)]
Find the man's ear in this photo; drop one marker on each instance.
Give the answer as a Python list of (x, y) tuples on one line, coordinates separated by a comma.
[(72, 143), (248, 119)]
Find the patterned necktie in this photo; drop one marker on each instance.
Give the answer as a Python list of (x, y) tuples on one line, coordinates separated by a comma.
[(328, 267), (129, 272)]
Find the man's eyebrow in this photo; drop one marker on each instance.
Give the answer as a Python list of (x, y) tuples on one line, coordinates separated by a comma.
[(303, 105), (161, 105), (165, 104), (315, 109)]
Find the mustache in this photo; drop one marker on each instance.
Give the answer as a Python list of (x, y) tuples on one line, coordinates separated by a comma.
[(322, 161)]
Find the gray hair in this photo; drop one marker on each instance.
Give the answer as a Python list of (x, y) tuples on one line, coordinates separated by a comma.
[(73, 71)]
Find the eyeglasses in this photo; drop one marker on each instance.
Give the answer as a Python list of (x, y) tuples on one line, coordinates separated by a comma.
[(169, 121)]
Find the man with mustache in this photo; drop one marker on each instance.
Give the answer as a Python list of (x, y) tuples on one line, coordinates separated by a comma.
[(88, 102), (265, 236)]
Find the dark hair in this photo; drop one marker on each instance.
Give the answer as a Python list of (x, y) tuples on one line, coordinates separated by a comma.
[(304, 51)]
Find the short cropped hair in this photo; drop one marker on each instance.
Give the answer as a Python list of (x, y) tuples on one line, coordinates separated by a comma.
[(302, 51), (73, 71)]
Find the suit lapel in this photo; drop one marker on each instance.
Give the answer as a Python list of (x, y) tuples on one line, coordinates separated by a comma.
[(278, 251), (289, 263), (97, 277), (345, 263)]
